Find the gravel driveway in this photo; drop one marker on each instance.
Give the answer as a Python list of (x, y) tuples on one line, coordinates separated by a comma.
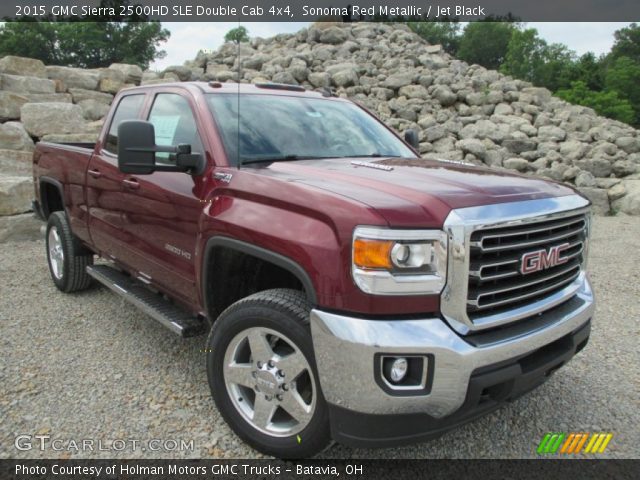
[(88, 366)]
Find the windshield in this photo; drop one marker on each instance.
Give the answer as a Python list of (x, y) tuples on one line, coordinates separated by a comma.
[(278, 127)]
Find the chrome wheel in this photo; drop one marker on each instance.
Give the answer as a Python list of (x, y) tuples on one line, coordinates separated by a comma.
[(56, 254), (269, 381)]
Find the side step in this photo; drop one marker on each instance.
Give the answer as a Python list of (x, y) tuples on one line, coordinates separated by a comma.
[(154, 305)]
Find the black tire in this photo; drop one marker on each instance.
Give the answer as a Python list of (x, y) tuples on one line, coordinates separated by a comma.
[(287, 312), (71, 276)]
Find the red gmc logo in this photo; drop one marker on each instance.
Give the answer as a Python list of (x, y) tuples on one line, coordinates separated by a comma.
[(542, 259)]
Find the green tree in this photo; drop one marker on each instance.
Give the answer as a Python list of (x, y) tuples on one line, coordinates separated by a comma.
[(622, 77), (530, 58), (627, 43), (607, 103), (523, 56), (31, 39), (442, 33), (237, 35), (84, 44), (589, 70), (486, 43), (557, 67)]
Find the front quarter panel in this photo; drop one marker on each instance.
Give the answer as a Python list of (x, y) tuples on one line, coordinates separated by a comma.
[(307, 225)]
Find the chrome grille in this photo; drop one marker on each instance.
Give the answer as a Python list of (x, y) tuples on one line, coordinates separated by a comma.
[(496, 283)]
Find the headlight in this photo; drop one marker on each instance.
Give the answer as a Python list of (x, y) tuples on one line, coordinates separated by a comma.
[(399, 262)]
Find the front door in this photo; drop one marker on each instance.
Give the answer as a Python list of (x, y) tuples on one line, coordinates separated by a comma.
[(104, 182), (163, 209)]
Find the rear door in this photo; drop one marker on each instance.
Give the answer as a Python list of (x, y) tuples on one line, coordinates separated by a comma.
[(162, 216), (105, 199)]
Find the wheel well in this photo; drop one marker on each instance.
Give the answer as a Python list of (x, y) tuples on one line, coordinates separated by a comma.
[(232, 275), (51, 199)]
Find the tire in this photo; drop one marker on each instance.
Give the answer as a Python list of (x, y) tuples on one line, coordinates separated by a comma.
[(67, 259), (238, 369)]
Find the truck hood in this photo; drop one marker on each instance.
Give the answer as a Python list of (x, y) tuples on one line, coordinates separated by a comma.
[(414, 192)]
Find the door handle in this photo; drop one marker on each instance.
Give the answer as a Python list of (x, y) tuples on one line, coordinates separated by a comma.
[(94, 173), (131, 183)]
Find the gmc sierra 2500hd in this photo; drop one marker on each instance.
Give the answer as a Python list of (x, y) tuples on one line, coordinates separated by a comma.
[(352, 291)]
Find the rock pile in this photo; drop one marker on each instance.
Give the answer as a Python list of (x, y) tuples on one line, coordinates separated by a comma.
[(461, 111)]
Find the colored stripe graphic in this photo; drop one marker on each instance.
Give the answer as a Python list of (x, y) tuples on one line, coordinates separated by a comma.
[(582, 442), (573, 443), (550, 443), (543, 444), (606, 442)]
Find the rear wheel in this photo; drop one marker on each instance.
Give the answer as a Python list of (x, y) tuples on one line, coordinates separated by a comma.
[(262, 374), (67, 259)]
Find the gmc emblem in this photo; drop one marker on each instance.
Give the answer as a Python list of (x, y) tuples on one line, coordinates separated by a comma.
[(542, 259)]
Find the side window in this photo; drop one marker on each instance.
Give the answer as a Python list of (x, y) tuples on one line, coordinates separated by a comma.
[(128, 109), (174, 123)]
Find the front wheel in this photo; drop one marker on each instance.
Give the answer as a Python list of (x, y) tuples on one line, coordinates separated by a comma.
[(263, 377), (67, 259)]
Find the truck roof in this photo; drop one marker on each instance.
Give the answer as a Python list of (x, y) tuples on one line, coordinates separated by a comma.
[(267, 88)]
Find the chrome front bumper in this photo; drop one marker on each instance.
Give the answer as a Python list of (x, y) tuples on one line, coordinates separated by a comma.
[(345, 348)]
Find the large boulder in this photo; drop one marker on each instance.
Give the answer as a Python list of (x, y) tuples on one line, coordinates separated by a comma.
[(255, 62), (40, 119), (80, 94), (398, 80), (111, 81), (320, 79), (10, 105), (333, 35), (16, 162), (599, 167), (74, 77), (93, 110), (16, 194), (22, 84), (132, 73), (519, 164), (22, 66), (628, 144), (183, 73), (630, 203), (49, 97), (345, 78), (13, 136)]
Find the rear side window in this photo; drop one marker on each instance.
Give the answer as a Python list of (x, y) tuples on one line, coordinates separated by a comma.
[(174, 123), (128, 109)]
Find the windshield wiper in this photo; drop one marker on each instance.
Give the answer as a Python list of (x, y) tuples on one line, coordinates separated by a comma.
[(366, 155), (279, 158)]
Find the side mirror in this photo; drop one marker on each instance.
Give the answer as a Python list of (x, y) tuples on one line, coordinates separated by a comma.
[(136, 147), (411, 137), (137, 151)]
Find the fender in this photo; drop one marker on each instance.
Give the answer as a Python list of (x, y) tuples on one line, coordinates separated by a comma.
[(43, 203), (263, 254)]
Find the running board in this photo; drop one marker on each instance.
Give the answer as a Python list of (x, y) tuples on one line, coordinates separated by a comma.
[(154, 305)]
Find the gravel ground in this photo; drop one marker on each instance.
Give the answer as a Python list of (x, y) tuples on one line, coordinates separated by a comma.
[(87, 366)]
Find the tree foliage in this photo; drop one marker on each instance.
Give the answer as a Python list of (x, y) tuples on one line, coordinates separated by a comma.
[(530, 58), (608, 103), (622, 77), (442, 33), (486, 43), (79, 43), (627, 43), (237, 35)]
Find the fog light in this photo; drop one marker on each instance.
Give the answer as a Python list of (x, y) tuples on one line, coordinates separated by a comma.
[(398, 369)]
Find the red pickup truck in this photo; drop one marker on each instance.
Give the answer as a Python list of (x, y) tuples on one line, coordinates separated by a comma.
[(351, 290)]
